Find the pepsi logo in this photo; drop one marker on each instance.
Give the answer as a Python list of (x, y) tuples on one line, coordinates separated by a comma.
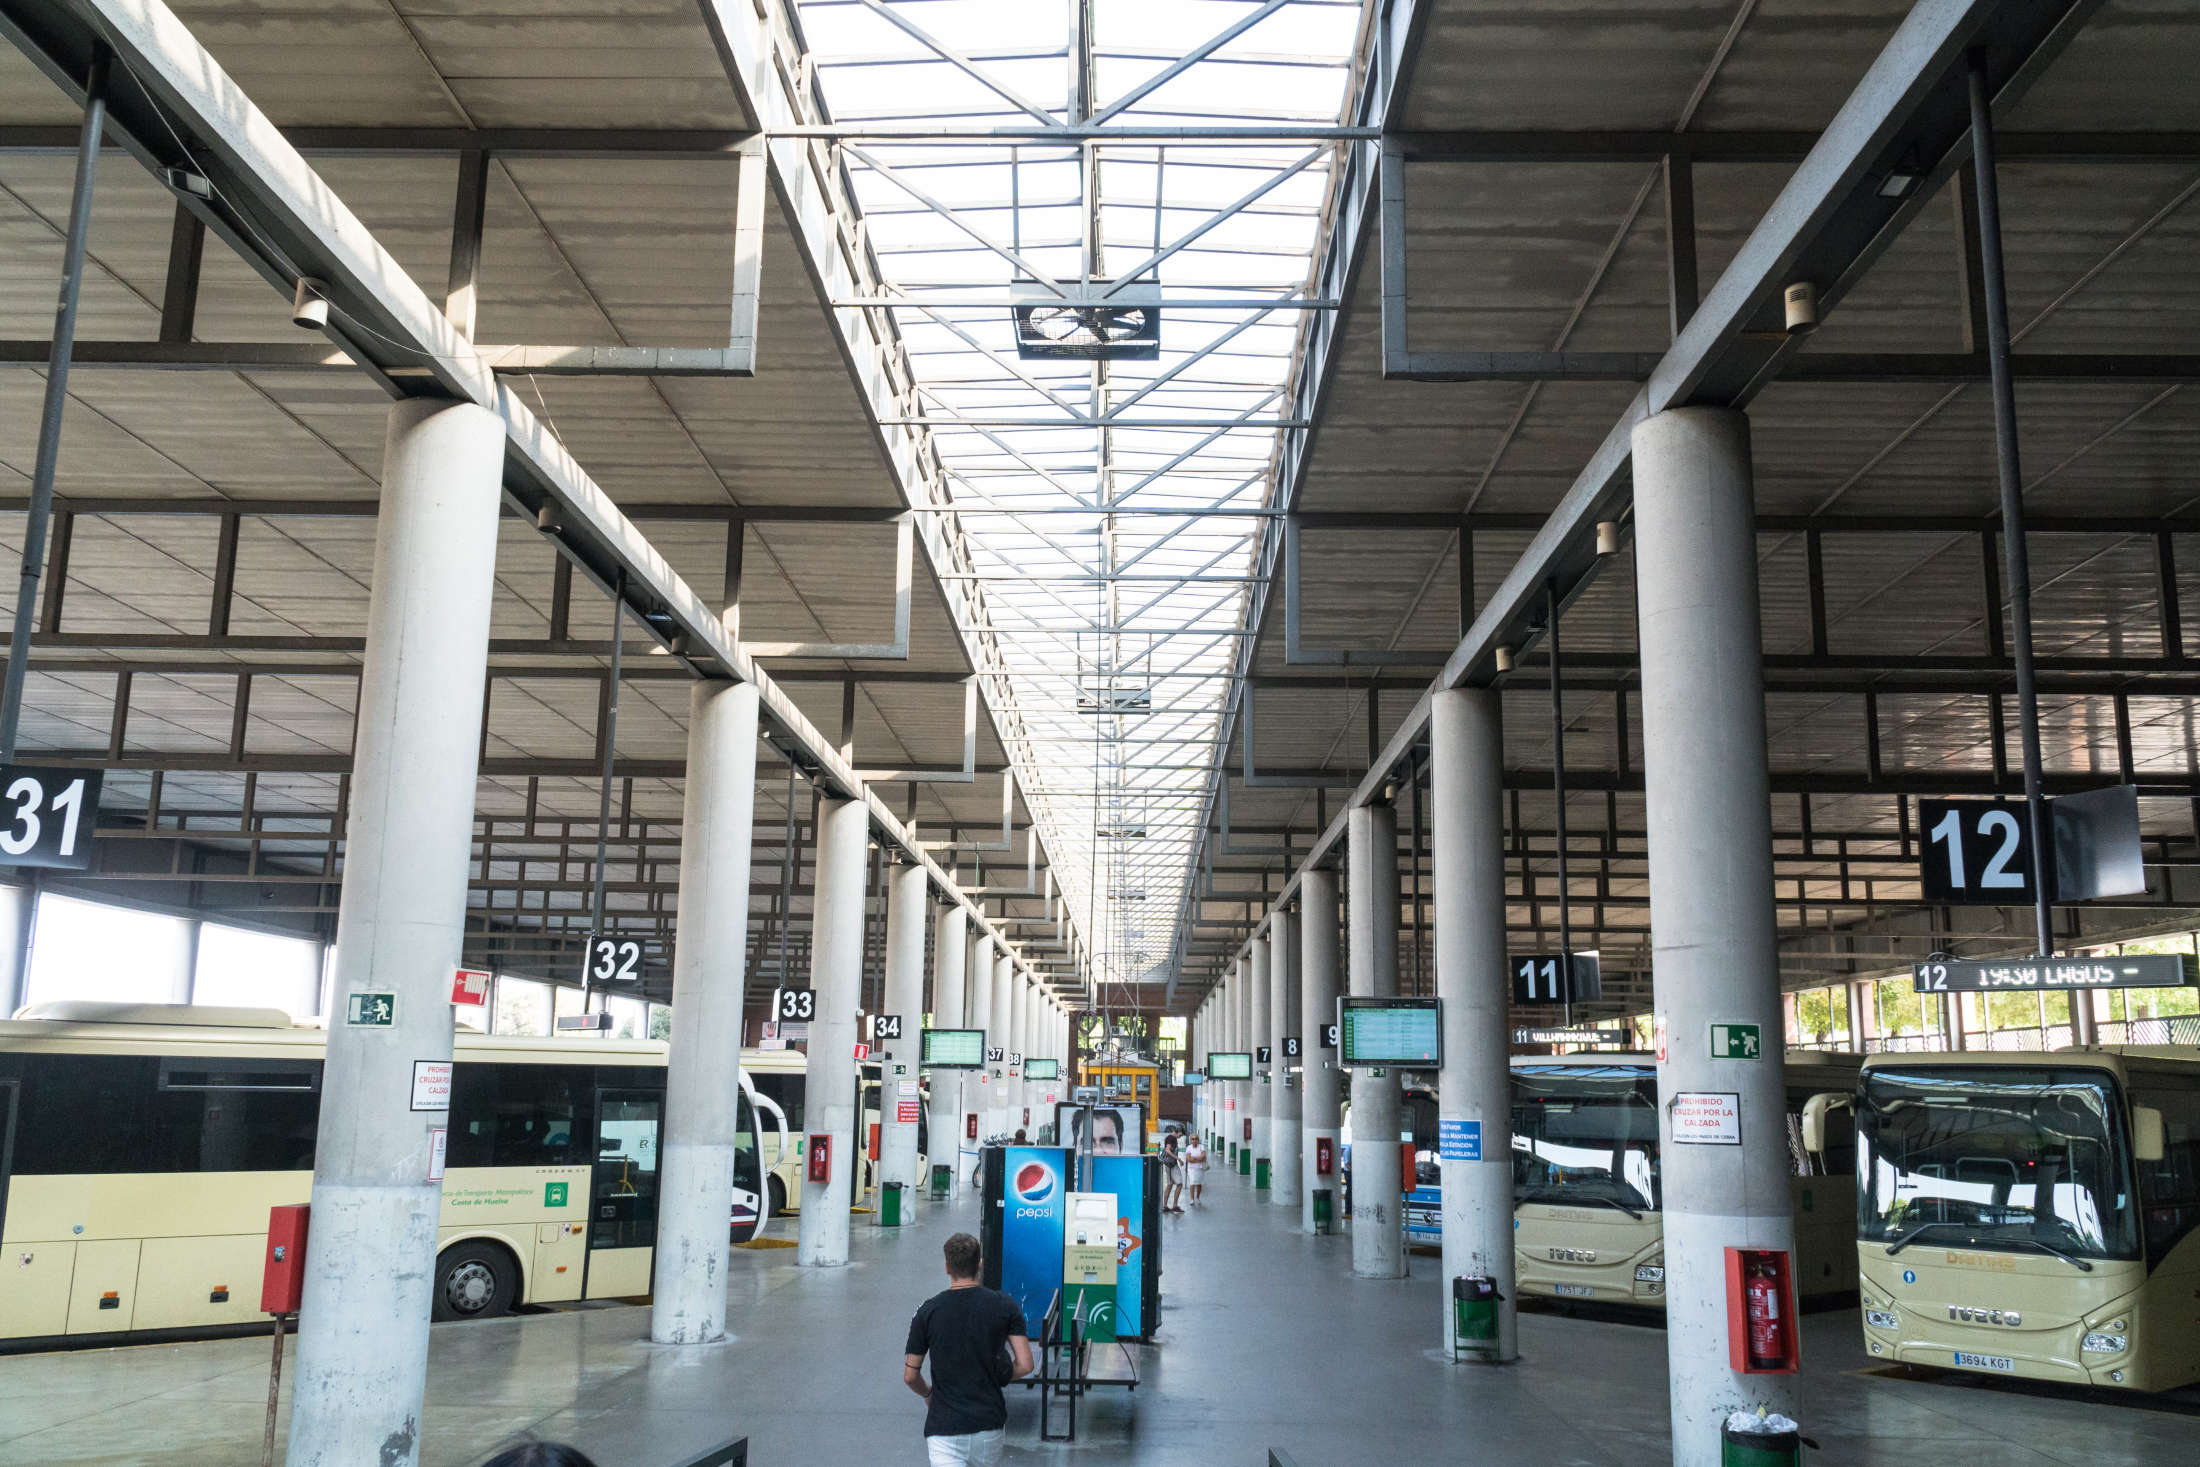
[(1034, 1182)]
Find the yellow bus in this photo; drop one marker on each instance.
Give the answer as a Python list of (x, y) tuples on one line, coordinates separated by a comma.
[(1122, 1081), (141, 1147), (2034, 1215)]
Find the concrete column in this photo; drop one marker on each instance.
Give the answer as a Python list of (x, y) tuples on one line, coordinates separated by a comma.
[(18, 911), (1283, 1007), (1951, 1021), (703, 1072), (1265, 1081), (977, 1099), (1004, 1037), (363, 1335), (1467, 830), (908, 893), (1711, 902), (1019, 1047), (950, 943), (1378, 1181), (1318, 1007), (836, 973)]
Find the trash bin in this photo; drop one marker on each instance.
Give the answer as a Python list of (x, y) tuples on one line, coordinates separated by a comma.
[(1751, 1439), (1245, 1161), (889, 1205), (1474, 1301), (943, 1180), (1260, 1175), (1325, 1210)]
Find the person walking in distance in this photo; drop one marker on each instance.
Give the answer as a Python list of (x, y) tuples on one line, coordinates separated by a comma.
[(1195, 1168), (1172, 1175), (977, 1343)]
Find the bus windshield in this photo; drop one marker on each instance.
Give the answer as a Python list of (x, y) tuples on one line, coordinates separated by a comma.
[(2030, 1159), (1586, 1135)]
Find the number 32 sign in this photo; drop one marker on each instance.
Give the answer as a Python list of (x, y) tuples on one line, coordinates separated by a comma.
[(46, 816)]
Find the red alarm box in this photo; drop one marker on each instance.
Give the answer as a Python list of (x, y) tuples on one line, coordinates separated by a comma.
[(283, 1282), (1325, 1156), (1761, 1337), (821, 1158)]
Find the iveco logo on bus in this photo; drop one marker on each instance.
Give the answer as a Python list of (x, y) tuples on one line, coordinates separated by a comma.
[(1961, 1314), (1572, 1255)]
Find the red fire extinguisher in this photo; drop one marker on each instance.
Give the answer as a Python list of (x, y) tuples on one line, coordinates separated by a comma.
[(1767, 1325)]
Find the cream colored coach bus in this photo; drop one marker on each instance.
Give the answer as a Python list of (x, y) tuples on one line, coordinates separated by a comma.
[(141, 1147), (1587, 1196), (2034, 1214)]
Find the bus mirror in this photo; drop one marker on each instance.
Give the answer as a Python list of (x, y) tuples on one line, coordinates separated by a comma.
[(2146, 1133), (1814, 1119)]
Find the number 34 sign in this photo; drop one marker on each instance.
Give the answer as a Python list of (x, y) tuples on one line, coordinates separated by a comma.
[(46, 816)]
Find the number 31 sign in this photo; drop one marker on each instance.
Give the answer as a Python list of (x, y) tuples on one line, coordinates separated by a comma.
[(46, 816)]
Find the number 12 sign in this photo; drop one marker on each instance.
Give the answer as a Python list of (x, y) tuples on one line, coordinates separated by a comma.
[(1975, 851), (46, 816)]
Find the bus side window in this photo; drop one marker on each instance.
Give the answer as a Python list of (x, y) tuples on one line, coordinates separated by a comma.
[(784, 1090), (83, 1115), (2169, 1189), (519, 1115)]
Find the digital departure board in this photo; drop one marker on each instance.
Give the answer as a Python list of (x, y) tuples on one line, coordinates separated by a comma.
[(1390, 1031), (1230, 1066), (1042, 1069), (953, 1049)]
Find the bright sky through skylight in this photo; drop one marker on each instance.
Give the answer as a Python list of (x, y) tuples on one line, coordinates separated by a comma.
[(1120, 617)]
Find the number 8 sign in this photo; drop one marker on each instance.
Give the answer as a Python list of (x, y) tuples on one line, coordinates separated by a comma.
[(46, 816)]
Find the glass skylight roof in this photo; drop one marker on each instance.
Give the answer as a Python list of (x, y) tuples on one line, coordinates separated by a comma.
[(1112, 509)]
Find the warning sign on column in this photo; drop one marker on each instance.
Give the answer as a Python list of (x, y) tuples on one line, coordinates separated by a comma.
[(906, 1111), (1707, 1118)]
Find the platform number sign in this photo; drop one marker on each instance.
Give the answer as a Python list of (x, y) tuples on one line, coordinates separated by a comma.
[(1557, 978), (794, 1005), (995, 1055), (1329, 1036), (1262, 1057), (886, 1026), (1975, 851), (1290, 1046), (46, 816), (614, 960)]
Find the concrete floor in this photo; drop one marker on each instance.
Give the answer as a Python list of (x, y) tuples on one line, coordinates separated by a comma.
[(1267, 1342)]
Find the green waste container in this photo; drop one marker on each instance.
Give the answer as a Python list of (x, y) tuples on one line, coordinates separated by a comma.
[(1760, 1442), (1325, 1210), (1245, 1161), (1474, 1300), (943, 1180), (1260, 1174), (889, 1205)]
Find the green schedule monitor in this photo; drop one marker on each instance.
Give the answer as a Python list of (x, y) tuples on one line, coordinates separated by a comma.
[(953, 1049), (1238, 1066), (1390, 1031), (1042, 1069)]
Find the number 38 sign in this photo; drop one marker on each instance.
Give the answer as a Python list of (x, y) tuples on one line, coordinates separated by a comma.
[(46, 816)]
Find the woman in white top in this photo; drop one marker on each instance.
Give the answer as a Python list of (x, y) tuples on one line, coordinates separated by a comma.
[(1195, 1167)]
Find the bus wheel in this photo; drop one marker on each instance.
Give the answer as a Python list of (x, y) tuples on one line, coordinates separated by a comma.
[(778, 1191), (475, 1280)]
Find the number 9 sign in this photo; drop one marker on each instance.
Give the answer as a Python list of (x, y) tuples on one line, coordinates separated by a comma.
[(46, 816)]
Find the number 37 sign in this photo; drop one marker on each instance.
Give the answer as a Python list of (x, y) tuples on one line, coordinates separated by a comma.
[(46, 816)]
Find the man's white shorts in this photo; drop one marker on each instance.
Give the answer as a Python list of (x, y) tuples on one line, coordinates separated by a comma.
[(979, 1448)]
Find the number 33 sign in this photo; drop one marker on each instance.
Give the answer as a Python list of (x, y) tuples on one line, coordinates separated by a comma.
[(46, 816)]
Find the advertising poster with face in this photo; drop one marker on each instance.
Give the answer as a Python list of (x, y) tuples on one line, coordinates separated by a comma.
[(1117, 1130)]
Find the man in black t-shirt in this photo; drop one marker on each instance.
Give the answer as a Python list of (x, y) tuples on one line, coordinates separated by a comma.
[(977, 1342)]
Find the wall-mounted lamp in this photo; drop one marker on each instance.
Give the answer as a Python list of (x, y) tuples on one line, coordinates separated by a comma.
[(1607, 537), (1802, 308), (309, 306), (1504, 659)]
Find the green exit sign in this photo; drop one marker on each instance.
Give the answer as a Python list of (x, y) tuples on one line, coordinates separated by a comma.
[(1737, 1041), (370, 1010)]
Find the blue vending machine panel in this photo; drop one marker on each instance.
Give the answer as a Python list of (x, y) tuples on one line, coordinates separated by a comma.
[(1125, 1176), (1034, 1181)]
